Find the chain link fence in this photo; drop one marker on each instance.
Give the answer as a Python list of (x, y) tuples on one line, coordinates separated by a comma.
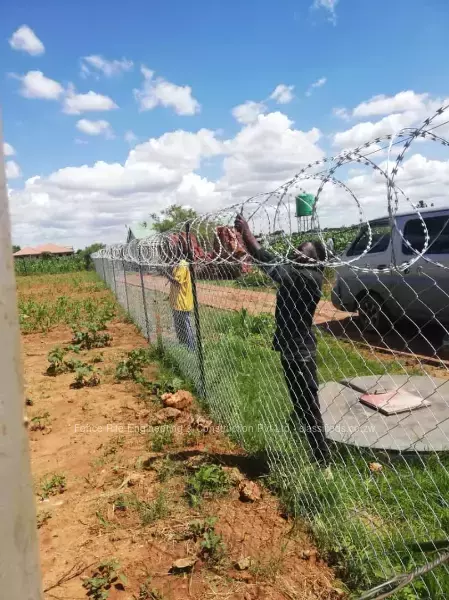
[(321, 351)]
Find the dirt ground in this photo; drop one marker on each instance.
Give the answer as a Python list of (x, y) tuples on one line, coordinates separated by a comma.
[(91, 437)]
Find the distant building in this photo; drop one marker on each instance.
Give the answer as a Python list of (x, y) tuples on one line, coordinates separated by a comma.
[(39, 251), (139, 231)]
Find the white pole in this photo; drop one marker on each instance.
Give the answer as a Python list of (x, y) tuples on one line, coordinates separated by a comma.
[(19, 559)]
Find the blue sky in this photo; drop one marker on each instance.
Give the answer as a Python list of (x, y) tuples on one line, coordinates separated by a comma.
[(227, 53)]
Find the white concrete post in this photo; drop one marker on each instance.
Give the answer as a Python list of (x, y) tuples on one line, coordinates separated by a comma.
[(19, 559)]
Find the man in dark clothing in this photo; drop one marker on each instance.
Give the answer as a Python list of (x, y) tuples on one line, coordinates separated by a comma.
[(297, 298)]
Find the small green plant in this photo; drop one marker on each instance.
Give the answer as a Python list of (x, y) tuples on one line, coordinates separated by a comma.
[(131, 367), (163, 385), (199, 527), (54, 485), (212, 546), (56, 359), (97, 358), (103, 521), (161, 438), (40, 422), (192, 437), (121, 503), (208, 480), (59, 364), (73, 348), (149, 512), (72, 364), (106, 576), (91, 336), (85, 376), (168, 468), (148, 593), (42, 517)]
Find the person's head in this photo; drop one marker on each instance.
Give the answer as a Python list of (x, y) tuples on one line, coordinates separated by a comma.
[(310, 252)]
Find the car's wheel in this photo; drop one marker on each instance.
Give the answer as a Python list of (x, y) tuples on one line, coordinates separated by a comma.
[(372, 313)]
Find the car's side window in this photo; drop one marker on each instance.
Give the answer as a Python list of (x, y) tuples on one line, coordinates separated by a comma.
[(437, 231), (380, 240)]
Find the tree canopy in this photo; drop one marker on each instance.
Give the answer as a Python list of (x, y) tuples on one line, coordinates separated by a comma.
[(88, 251), (171, 217)]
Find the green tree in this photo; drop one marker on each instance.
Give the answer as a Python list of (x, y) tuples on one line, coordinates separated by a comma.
[(172, 216), (88, 251), (15, 248)]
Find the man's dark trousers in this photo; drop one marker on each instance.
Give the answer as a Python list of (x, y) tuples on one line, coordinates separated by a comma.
[(301, 378)]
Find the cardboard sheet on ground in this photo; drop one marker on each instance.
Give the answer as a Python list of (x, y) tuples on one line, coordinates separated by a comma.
[(394, 402)]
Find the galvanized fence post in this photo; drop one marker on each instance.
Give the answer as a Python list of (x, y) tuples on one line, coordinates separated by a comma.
[(158, 323), (113, 275), (104, 270), (199, 341), (145, 308), (126, 286)]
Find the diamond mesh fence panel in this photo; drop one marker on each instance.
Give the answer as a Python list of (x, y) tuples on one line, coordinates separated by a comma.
[(323, 352)]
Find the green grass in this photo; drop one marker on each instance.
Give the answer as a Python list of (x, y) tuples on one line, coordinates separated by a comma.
[(362, 521)]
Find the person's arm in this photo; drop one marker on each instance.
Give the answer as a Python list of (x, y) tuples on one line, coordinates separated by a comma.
[(170, 277), (277, 272), (251, 244)]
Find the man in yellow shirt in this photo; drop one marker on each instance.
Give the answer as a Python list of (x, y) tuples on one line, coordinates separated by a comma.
[(181, 301)]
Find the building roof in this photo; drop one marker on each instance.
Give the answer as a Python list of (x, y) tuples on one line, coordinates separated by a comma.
[(50, 248), (139, 231)]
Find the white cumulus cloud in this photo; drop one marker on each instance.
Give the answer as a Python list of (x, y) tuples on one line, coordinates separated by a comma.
[(384, 105), (75, 104), (35, 85), (248, 112), (26, 40), (12, 170), (265, 154), (368, 130), (81, 204), (316, 84), (283, 94), (410, 109), (178, 150), (95, 128), (8, 150), (160, 92), (329, 6), (95, 63), (94, 202)]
